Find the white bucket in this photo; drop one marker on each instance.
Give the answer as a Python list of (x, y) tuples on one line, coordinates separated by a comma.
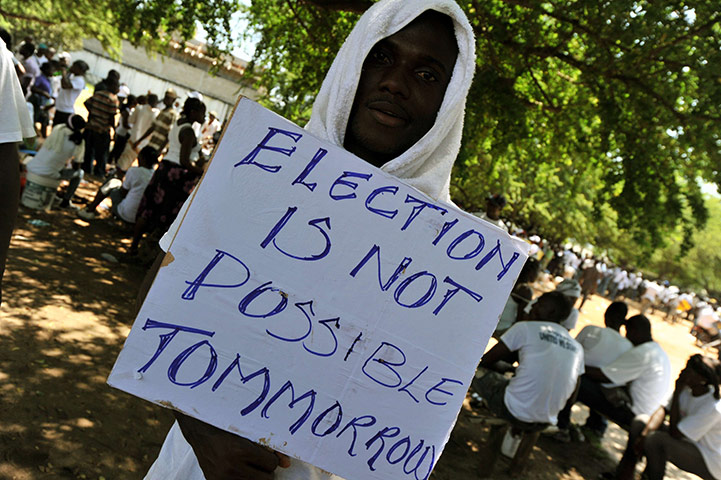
[(39, 191)]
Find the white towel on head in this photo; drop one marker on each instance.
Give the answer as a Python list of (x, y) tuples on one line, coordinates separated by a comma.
[(427, 164)]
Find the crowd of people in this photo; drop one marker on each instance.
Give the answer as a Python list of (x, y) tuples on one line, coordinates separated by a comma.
[(622, 377), (149, 158)]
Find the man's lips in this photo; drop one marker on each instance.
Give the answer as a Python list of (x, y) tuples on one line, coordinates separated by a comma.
[(388, 113)]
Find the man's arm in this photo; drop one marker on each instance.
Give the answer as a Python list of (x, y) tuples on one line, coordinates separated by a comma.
[(9, 199), (65, 81), (595, 373), (147, 132), (499, 353)]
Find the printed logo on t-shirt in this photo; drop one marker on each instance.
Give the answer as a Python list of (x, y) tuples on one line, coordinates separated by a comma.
[(557, 339)]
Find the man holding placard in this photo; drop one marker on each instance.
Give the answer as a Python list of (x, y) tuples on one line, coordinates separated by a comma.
[(408, 66)]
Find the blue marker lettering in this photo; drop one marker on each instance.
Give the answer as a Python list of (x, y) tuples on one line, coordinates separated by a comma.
[(452, 292), (418, 209), (263, 145), (492, 253), (388, 364), (289, 386), (387, 432), (319, 419), (353, 185), (257, 292), (426, 296), (194, 286), (378, 191), (376, 250), (180, 359), (405, 440), (356, 422), (436, 388), (166, 338), (309, 168), (266, 383), (478, 248)]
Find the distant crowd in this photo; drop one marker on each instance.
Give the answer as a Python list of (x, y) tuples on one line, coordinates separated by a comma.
[(148, 151)]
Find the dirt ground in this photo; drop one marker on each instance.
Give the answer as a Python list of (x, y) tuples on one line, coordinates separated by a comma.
[(66, 314)]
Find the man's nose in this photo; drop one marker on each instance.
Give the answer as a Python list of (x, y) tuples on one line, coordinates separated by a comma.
[(396, 81)]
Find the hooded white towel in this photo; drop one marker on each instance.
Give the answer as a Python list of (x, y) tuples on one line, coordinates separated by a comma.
[(427, 164)]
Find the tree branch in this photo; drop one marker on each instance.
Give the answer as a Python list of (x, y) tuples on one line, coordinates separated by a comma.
[(357, 6), (27, 18)]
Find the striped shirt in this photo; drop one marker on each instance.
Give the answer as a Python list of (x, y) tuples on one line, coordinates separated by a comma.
[(161, 127), (102, 108)]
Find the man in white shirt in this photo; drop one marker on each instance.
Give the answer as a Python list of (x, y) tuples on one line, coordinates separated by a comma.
[(402, 104), (645, 369), (71, 84), (572, 290), (692, 438), (494, 205), (550, 362), (15, 124), (601, 346), (141, 119)]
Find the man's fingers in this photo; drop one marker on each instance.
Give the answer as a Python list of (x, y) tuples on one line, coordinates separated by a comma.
[(283, 460)]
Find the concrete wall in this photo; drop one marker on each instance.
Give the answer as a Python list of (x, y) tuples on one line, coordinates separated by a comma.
[(144, 72)]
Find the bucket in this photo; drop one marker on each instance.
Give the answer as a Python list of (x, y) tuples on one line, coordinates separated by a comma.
[(39, 191)]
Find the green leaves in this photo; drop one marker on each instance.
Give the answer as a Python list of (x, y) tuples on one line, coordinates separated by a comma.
[(597, 119)]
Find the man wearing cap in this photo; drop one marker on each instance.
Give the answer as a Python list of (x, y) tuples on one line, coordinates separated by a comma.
[(494, 205), (160, 128), (71, 84), (572, 290)]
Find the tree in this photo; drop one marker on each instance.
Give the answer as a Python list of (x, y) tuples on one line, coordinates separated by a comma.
[(590, 116), (148, 23), (597, 119)]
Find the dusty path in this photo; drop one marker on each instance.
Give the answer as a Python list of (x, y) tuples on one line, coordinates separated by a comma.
[(66, 315)]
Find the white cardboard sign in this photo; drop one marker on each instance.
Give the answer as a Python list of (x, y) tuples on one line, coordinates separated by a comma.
[(319, 306)]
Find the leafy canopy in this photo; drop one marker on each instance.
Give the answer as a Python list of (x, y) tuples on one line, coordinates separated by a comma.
[(598, 120)]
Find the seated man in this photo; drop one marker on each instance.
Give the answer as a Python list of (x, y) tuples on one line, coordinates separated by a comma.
[(646, 370), (572, 290), (126, 193), (550, 362), (692, 438), (601, 346)]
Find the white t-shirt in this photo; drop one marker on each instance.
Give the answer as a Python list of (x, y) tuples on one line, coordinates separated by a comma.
[(15, 122), (32, 68), (135, 181), (66, 96), (602, 345), (648, 369), (48, 163), (570, 322), (701, 423), (549, 364), (176, 461), (140, 120)]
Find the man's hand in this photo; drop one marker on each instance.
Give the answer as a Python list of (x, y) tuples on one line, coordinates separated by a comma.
[(224, 456)]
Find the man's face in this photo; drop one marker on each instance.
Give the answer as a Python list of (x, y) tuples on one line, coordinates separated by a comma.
[(493, 211), (77, 69), (401, 88), (169, 100)]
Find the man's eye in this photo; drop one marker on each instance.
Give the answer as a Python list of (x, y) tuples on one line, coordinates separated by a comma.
[(380, 57), (427, 76)]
